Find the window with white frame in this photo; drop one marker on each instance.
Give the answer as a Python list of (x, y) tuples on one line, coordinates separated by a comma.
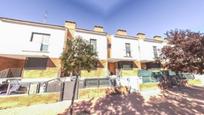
[(155, 51), (93, 43), (42, 39), (127, 50)]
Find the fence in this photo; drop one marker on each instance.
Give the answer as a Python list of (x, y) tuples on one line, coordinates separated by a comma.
[(98, 82), (13, 87), (65, 87), (154, 76), (11, 72)]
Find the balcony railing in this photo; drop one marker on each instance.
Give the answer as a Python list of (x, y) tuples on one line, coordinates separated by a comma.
[(11, 72)]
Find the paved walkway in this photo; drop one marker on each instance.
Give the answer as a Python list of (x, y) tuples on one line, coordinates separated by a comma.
[(40, 109), (184, 101)]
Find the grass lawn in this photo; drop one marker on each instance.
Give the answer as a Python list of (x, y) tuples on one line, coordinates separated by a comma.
[(27, 100)]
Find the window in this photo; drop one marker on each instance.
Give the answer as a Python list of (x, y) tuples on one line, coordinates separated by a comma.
[(42, 39), (36, 63), (127, 50), (155, 52), (128, 65), (93, 43)]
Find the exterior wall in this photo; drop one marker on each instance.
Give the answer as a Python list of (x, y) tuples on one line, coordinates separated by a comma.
[(133, 72), (101, 71), (101, 48), (146, 50), (15, 39), (118, 48), (118, 51), (130, 73), (11, 63), (101, 43), (52, 70)]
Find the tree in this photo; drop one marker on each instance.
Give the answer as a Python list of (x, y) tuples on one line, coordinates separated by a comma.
[(78, 55), (184, 51)]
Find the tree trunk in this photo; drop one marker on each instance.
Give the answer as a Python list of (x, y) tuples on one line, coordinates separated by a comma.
[(73, 96)]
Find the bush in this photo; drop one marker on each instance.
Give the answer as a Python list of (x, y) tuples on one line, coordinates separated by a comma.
[(170, 82)]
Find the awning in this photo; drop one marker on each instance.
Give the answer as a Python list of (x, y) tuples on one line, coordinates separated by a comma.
[(120, 59), (21, 57), (146, 61)]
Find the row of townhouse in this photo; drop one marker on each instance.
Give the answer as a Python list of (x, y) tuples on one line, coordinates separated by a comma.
[(33, 50)]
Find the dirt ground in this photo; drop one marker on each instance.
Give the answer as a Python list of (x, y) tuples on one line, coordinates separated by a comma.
[(183, 101)]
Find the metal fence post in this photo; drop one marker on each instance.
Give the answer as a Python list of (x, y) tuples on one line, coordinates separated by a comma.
[(98, 82), (46, 85), (8, 89), (62, 91), (38, 88)]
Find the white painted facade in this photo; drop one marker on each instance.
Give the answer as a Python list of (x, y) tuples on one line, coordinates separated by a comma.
[(101, 43), (118, 50), (15, 38), (146, 50)]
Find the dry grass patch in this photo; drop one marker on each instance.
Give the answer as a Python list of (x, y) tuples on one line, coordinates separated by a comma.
[(27, 100), (195, 82), (92, 92), (149, 86)]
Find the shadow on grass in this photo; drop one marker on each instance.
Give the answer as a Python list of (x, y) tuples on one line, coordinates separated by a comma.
[(188, 101)]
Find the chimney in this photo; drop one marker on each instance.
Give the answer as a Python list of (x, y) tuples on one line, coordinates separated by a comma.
[(141, 36), (98, 28), (70, 24), (157, 38), (121, 32)]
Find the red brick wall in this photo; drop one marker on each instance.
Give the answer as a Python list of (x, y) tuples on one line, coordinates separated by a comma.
[(10, 63)]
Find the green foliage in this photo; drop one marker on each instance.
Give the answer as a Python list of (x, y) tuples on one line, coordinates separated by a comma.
[(78, 55)]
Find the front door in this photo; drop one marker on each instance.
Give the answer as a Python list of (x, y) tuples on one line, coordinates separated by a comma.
[(112, 68)]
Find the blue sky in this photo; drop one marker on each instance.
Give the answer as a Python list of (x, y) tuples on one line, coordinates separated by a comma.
[(153, 17)]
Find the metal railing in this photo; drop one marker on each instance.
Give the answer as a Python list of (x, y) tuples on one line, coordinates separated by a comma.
[(11, 72)]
